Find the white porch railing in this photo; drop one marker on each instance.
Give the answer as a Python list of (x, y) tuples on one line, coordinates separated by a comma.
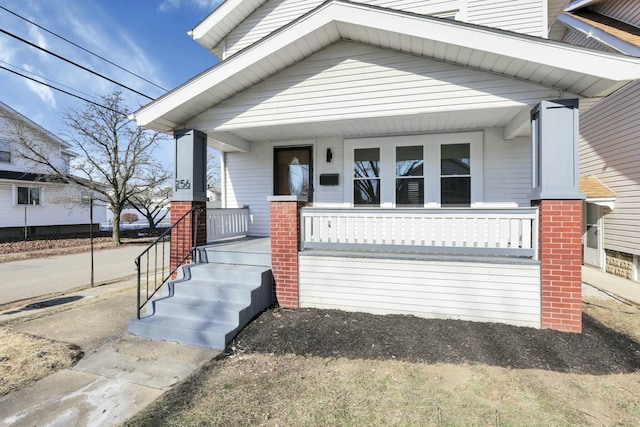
[(493, 232), (227, 223)]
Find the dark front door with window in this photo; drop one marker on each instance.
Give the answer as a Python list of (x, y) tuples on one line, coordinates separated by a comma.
[(293, 173)]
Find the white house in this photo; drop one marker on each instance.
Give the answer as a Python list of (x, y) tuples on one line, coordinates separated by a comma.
[(31, 203), (404, 156), (609, 135)]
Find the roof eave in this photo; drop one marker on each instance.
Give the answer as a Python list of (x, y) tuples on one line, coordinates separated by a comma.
[(613, 70), (63, 144), (209, 32), (599, 35)]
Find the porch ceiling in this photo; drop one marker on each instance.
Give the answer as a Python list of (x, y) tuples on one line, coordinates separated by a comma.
[(418, 123), (555, 65)]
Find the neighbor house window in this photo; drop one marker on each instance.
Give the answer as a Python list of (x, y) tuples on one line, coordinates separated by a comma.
[(410, 176), (28, 195), (366, 177), (66, 163), (455, 175), (5, 152)]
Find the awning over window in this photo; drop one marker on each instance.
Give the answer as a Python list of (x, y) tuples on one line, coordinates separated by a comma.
[(597, 192)]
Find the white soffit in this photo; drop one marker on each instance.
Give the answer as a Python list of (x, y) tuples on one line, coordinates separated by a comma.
[(215, 27), (561, 66)]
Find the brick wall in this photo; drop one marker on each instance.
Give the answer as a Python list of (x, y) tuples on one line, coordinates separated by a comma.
[(285, 241), (182, 235), (560, 254)]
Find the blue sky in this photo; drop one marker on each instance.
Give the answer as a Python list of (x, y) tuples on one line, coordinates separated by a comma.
[(148, 37)]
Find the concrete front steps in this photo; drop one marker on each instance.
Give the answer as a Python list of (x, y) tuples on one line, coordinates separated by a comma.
[(210, 303)]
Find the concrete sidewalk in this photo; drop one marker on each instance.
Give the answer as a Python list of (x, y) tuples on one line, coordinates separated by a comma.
[(41, 276), (624, 288), (119, 375)]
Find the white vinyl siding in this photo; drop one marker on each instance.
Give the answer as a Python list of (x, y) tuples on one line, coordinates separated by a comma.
[(266, 19), (609, 138), (349, 81), (507, 170), (502, 293), (275, 14), (627, 11), (249, 178), (58, 206), (522, 16)]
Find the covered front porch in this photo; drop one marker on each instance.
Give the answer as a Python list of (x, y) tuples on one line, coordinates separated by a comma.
[(470, 264), (369, 134)]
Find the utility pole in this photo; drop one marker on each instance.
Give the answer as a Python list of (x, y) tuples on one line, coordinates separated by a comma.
[(91, 235)]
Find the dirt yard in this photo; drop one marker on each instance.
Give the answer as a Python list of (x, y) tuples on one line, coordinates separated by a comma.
[(321, 367), (26, 249)]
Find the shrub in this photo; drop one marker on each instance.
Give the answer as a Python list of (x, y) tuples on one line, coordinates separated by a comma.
[(129, 217)]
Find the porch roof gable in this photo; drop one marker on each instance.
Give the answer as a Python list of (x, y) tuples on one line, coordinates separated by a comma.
[(215, 27), (568, 68)]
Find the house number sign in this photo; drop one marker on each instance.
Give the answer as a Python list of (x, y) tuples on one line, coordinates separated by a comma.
[(183, 184)]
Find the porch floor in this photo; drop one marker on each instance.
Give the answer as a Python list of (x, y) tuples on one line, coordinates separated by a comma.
[(245, 244), (388, 253), (243, 251), (262, 245)]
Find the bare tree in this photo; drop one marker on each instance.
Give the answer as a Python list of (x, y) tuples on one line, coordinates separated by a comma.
[(153, 202), (114, 155)]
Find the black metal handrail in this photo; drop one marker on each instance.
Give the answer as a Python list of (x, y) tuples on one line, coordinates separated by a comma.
[(158, 247)]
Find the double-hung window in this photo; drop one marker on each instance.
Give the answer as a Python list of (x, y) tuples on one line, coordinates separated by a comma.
[(366, 177), (5, 152), (455, 175), (410, 176), (28, 196)]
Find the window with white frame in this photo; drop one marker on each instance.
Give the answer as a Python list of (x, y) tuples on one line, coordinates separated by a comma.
[(5, 152), (455, 175), (28, 196), (410, 175), (366, 177), (433, 170)]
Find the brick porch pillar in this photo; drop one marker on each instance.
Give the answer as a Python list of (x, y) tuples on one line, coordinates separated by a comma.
[(560, 255), (182, 237), (285, 241), (190, 191)]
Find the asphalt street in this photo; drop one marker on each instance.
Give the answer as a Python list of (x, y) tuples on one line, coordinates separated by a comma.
[(42, 276)]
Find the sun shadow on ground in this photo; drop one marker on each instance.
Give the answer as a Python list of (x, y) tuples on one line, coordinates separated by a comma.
[(45, 304), (331, 333)]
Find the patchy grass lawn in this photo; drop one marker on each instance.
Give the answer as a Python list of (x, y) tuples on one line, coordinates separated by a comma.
[(262, 388), (26, 358)]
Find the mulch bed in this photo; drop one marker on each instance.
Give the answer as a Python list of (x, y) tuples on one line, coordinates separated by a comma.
[(338, 334)]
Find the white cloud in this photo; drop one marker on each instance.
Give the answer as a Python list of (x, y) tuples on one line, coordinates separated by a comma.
[(208, 5), (6, 52), (44, 93)]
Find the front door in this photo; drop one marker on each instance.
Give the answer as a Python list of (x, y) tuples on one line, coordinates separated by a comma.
[(592, 239), (293, 174)]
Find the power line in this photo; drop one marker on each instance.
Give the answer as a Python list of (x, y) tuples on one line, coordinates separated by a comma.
[(73, 63), (80, 47), (47, 79), (63, 91)]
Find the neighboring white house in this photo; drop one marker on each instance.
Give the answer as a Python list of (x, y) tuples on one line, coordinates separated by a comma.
[(418, 133), (30, 201), (610, 137)]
